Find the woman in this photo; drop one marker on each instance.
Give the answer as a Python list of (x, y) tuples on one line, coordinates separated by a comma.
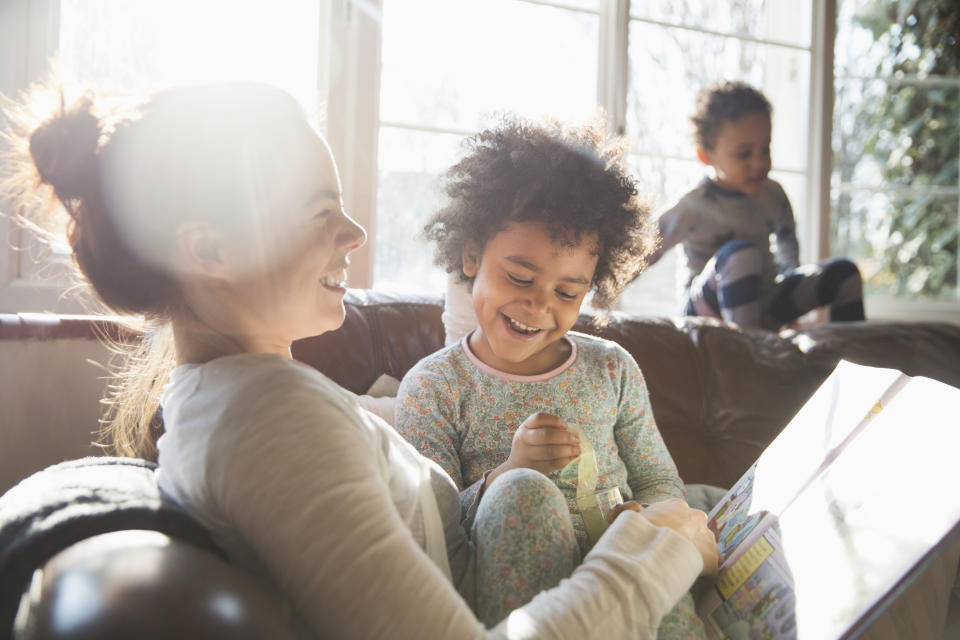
[(217, 212)]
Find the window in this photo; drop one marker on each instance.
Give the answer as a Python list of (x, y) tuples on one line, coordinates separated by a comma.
[(677, 48), (442, 83), (402, 82), (131, 47), (895, 195), (551, 58)]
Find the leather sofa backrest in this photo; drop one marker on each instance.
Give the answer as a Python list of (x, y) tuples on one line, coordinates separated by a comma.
[(719, 394)]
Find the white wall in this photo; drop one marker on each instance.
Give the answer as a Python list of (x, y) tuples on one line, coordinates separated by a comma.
[(49, 403)]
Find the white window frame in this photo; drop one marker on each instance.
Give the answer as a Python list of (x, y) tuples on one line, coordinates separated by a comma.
[(29, 33), (881, 308)]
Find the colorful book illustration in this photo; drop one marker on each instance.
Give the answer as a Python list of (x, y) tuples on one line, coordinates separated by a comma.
[(839, 511)]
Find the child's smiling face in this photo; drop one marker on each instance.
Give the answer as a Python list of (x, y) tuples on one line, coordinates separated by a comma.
[(741, 153), (527, 293)]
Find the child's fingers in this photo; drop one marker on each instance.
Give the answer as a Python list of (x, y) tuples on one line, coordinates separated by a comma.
[(625, 506), (554, 452), (549, 435), (541, 420)]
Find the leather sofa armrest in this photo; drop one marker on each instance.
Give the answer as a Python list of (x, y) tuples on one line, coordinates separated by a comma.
[(144, 584)]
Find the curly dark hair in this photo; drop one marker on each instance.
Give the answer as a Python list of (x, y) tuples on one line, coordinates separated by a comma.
[(724, 103), (572, 178)]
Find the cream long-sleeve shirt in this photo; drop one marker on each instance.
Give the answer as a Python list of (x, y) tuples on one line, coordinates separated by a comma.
[(301, 485)]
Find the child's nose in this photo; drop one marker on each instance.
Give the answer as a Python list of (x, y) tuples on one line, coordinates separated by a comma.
[(537, 298)]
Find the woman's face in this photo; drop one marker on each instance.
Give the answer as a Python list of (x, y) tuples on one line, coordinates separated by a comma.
[(302, 247)]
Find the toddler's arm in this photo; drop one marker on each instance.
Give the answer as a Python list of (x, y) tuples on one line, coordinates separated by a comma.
[(788, 249), (670, 232)]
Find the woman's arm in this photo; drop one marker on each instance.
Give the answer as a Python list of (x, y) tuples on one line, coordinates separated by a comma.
[(302, 484)]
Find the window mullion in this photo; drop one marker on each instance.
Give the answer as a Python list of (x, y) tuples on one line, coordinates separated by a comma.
[(820, 148), (613, 74), (353, 119)]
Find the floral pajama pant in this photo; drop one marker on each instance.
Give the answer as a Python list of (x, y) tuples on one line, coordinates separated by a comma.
[(525, 543)]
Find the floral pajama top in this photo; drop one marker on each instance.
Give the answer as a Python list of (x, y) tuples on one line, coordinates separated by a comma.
[(463, 414)]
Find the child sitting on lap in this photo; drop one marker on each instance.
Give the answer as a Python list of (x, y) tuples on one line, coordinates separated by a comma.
[(540, 215), (726, 222)]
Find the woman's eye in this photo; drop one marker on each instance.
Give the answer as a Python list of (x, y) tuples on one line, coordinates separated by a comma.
[(323, 213), (519, 281)]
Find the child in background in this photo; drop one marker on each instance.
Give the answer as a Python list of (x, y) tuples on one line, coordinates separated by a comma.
[(725, 224), (539, 216)]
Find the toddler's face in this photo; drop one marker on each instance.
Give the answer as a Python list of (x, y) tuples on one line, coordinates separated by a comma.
[(527, 294), (741, 153)]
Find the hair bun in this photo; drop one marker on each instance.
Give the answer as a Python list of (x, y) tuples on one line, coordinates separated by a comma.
[(64, 150)]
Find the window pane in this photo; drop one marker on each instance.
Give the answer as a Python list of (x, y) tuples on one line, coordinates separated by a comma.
[(663, 182), (483, 56), (906, 247), (543, 61), (411, 163), (895, 134), (679, 62), (136, 46), (884, 38), (785, 21)]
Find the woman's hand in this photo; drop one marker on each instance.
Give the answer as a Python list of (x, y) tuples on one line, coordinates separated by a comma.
[(688, 522), (542, 442)]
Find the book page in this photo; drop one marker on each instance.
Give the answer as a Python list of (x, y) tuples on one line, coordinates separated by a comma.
[(888, 498), (844, 403)]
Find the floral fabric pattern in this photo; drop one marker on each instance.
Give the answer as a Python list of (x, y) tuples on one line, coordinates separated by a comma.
[(464, 418)]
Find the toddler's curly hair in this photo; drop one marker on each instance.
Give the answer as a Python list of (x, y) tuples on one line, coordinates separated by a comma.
[(722, 103), (572, 178)]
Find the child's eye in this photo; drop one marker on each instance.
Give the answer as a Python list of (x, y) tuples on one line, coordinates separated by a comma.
[(519, 281), (565, 295)]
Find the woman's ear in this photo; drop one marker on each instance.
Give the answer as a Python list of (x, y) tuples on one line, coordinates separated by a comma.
[(201, 250), (471, 259), (704, 156)]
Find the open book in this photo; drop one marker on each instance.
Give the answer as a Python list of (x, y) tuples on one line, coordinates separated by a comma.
[(851, 502)]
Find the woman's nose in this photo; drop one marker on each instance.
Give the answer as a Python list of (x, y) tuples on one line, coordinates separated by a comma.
[(351, 235)]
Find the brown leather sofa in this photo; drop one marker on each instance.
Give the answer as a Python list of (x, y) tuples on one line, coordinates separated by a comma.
[(720, 394)]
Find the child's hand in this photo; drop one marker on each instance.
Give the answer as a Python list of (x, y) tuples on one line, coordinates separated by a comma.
[(688, 522), (542, 442)]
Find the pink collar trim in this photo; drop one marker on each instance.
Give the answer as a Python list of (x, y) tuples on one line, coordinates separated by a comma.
[(512, 377)]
